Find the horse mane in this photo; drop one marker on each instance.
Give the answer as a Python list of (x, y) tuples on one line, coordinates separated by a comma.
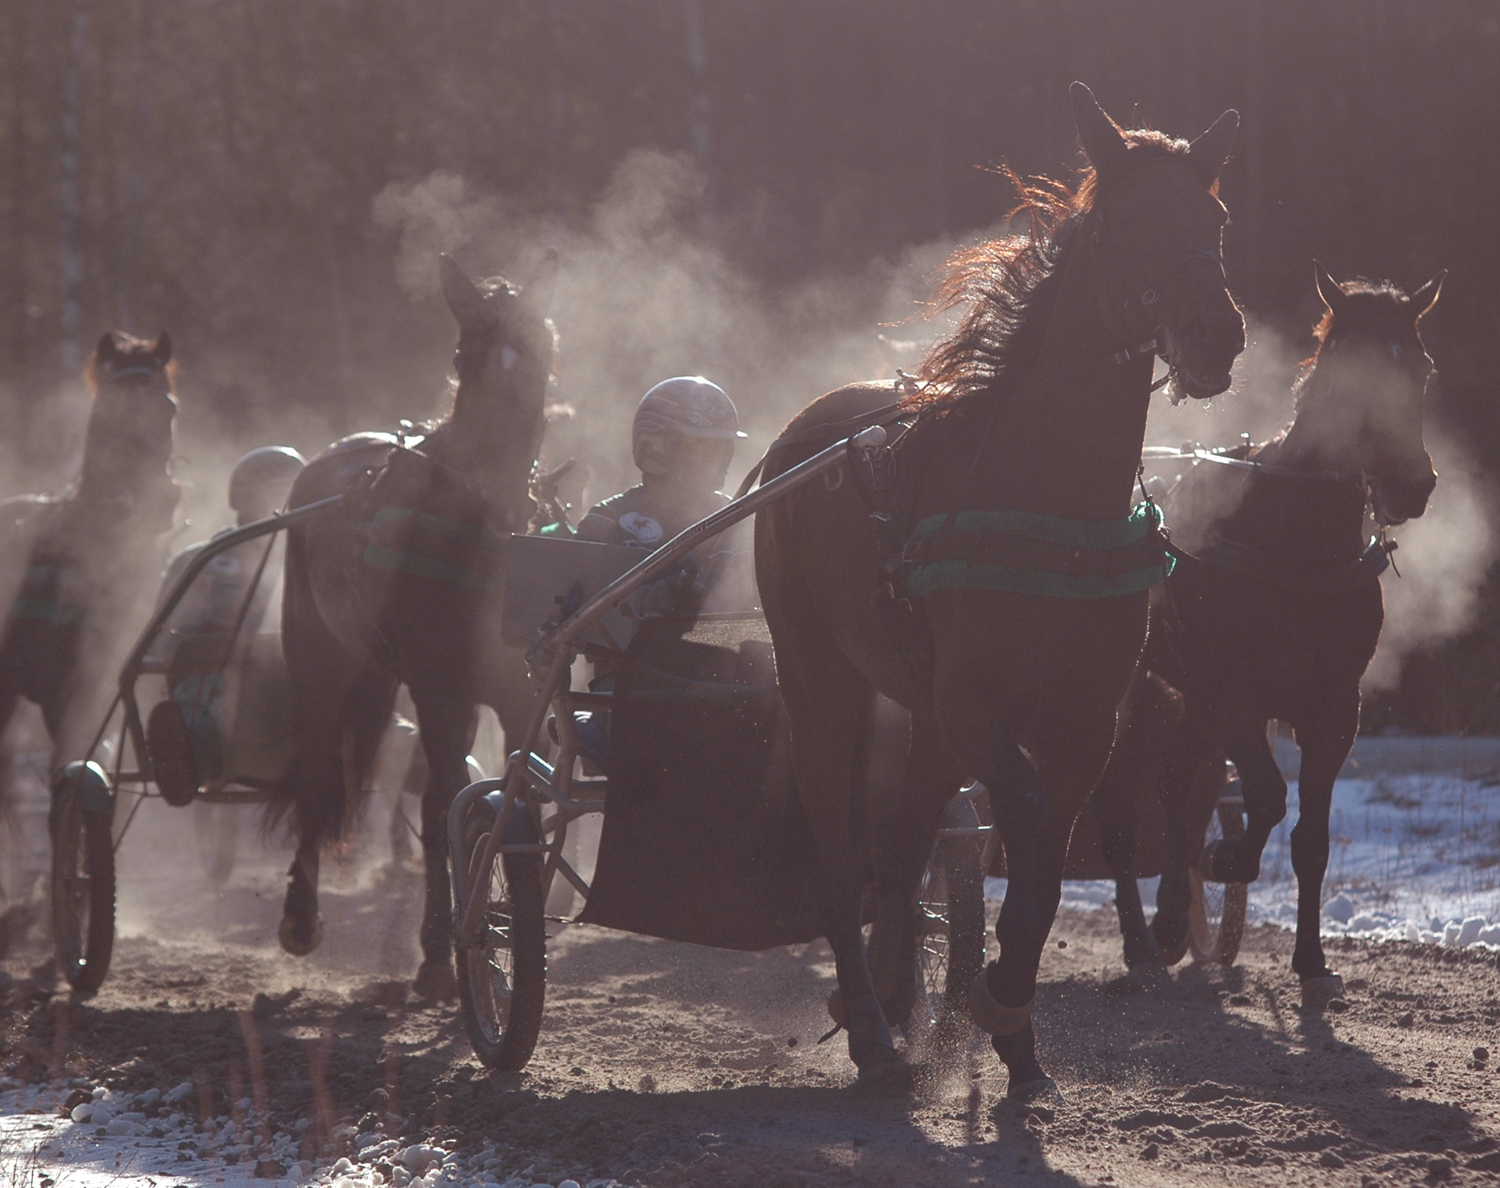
[(1009, 285), (1367, 301)]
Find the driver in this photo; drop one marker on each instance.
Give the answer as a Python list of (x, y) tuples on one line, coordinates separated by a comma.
[(184, 731), (682, 440)]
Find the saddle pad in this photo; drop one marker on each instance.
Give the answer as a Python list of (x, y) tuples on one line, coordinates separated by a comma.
[(1031, 553)]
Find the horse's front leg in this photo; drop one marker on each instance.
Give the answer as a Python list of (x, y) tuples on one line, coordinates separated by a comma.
[(1325, 744), (1034, 811), (447, 727)]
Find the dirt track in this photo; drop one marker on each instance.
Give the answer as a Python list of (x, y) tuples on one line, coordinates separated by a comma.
[(664, 1064)]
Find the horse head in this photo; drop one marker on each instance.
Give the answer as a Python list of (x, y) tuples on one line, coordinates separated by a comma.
[(128, 444), (504, 360), (1158, 226), (1360, 404)]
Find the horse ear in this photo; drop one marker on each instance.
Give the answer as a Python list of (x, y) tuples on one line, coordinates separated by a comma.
[(106, 348), (162, 351), (539, 290), (1328, 289), (1212, 148), (1427, 296), (463, 296), (1100, 135)]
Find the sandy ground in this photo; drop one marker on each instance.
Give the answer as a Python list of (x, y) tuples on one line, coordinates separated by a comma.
[(664, 1064)]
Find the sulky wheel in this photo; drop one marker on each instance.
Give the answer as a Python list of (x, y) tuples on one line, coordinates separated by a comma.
[(950, 920), (1216, 911), (502, 979), (83, 875)]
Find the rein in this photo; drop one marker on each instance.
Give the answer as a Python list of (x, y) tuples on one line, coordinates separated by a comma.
[(1199, 454)]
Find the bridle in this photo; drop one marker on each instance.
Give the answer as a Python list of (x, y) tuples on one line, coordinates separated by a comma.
[(1125, 291)]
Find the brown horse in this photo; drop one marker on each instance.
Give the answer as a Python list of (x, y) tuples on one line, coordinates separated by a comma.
[(85, 561), (400, 585), (1274, 608), (1030, 420)]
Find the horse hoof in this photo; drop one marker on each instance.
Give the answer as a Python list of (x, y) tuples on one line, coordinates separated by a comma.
[(1221, 864), (889, 1075), (435, 979), (1030, 1092), (295, 940), (1148, 977), (1318, 992)]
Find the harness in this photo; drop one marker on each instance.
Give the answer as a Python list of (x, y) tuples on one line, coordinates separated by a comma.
[(1296, 576)]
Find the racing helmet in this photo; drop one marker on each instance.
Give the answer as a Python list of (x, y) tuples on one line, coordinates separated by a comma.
[(262, 479), (686, 405)]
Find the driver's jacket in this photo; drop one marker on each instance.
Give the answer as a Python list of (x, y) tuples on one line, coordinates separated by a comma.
[(204, 633)]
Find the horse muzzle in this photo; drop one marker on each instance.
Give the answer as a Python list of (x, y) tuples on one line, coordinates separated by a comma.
[(1201, 353), (1394, 499)]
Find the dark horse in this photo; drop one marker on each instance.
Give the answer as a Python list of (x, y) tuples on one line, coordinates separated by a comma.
[(1274, 609), (399, 585), (1032, 415), (83, 562)]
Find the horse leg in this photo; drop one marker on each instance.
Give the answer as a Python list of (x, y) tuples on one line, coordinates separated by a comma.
[(1264, 789), (1195, 745), (1035, 816), (447, 724), (328, 685), (931, 780), (827, 702), (317, 787), (1325, 745), (1113, 807)]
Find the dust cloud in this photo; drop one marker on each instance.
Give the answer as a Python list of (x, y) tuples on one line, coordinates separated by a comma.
[(1443, 560), (646, 292)]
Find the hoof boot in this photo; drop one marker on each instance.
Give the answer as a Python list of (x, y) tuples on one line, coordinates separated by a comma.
[(1039, 1090), (992, 1017)]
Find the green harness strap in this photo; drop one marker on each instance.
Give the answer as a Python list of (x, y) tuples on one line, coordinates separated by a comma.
[(434, 547), (1031, 553)]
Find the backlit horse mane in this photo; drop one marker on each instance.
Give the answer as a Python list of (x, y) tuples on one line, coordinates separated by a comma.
[(1009, 284)]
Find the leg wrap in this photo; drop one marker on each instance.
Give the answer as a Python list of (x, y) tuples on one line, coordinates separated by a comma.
[(990, 1016)]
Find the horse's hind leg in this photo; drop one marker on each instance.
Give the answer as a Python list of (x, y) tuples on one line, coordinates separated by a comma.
[(1264, 789), (447, 724), (826, 702), (905, 841), (1113, 806)]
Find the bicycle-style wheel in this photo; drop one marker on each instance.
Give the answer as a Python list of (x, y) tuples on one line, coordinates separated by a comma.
[(502, 978), (950, 920), (83, 876), (1216, 911)]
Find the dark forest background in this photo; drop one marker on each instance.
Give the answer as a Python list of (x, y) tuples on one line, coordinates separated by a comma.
[(213, 166)]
